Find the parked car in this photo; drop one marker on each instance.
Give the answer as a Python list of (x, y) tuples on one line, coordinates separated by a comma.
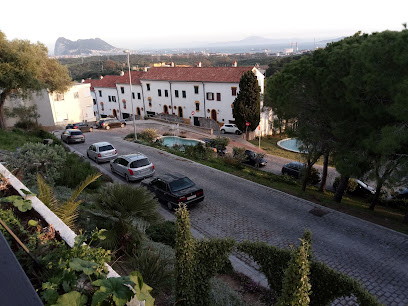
[(132, 167), (72, 136), (101, 152), (108, 123), (83, 126), (255, 159), (173, 189), (355, 187), (295, 170), (230, 128)]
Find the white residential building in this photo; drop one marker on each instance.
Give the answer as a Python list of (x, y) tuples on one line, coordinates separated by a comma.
[(75, 105), (187, 92)]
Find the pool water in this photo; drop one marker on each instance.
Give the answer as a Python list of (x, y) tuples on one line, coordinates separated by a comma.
[(290, 144), (170, 141)]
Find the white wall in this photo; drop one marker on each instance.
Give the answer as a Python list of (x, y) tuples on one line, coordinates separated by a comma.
[(108, 107), (137, 103)]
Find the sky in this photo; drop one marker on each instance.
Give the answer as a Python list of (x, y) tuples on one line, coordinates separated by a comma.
[(145, 24)]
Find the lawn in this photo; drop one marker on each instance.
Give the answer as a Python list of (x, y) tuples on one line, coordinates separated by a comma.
[(10, 140)]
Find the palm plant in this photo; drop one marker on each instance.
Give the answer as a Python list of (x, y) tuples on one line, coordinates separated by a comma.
[(68, 210), (125, 212)]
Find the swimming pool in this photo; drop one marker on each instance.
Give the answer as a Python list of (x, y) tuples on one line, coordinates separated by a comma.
[(170, 141), (290, 144)]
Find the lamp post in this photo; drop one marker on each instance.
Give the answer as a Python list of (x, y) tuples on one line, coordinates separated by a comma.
[(131, 93)]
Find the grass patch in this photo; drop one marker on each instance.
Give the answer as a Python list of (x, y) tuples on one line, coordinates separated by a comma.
[(10, 140), (355, 206)]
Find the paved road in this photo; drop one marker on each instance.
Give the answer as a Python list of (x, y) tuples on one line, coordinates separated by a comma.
[(237, 208)]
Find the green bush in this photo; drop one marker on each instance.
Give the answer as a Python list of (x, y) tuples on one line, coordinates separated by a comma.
[(164, 232), (37, 157), (199, 151), (221, 294), (75, 170), (232, 161), (351, 185), (219, 143), (314, 177), (239, 154), (148, 135), (327, 284)]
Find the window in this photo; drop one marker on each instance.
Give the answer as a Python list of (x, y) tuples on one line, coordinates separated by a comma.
[(113, 99), (234, 91), (122, 90), (166, 93), (100, 93), (197, 105), (210, 96), (184, 93), (159, 92), (138, 95), (150, 101), (196, 90), (76, 95), (109, 99), (133, 95), (59, 97), (148, 86), (218, 96), (102, 108), (176, 93), (94, 101)]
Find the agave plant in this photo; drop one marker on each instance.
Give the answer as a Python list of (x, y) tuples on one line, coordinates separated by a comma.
[(68, 210), (125, 212)]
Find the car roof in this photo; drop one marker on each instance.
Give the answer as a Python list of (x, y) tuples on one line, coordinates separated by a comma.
[(73, 130), (102, 143), (296, 163), (133, 156), (169, 177)]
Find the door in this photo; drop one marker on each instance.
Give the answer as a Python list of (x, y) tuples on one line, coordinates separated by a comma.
[(214, 114), (114, 113), (180, 112), (196, 121), (165, 109)]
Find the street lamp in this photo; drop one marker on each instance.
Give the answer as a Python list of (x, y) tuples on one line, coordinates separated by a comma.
[(131, 93)]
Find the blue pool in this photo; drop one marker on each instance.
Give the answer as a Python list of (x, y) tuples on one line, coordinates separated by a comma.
[(290, 144), (170, 141)]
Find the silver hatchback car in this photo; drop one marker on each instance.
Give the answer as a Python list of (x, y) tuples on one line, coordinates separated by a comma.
[(132, 167), (101, 152)]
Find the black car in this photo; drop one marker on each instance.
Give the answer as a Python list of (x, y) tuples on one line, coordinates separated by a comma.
[(108, 123), (293, 169), (173, 189), (72, 136), (255, 159), (82, 126)]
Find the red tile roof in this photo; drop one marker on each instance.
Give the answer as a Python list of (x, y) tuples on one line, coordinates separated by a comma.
[(107, 81), (196, 74), (136, 75)]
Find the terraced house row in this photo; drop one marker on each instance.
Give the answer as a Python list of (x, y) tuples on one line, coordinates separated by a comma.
[(190, 93)]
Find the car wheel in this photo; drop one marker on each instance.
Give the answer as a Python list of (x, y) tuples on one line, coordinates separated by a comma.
[(237, 132), (122, 125), (107, 127), (90, 129), (170, 206), (222, 131), (97, 160), (87, 155), (127, 178), (113, 170)]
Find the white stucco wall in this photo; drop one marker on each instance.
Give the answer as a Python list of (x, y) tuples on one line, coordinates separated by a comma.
[(137, 103), (108, 107)]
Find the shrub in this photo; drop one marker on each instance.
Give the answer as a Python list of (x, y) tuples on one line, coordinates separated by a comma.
[(351, 185), (314, 177), (164, 232), (232, 161), (221, 294), (239, 154), (156, 268), (148, 135), (219, 143), (37, 157), (75, 170), (199, 151)]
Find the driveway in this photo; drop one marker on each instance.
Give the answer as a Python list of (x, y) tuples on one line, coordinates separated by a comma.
[(237, 208)]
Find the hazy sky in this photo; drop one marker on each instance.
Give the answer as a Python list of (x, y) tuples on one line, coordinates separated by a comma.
[(141, 23)]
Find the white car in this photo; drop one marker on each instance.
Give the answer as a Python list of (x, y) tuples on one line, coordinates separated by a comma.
[(230, 128), (101, 152), (132, 167)]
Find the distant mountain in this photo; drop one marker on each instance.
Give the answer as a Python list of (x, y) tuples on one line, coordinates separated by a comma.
[(92, 46)]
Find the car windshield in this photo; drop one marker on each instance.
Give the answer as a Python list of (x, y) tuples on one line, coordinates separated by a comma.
[(139, 163), (181, 184), (106, 148), (76, 133)]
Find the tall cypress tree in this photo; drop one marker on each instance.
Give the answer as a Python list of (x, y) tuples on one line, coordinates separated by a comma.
[(247, 103)]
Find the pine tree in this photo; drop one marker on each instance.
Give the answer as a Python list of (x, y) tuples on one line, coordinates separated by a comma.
[(247, 103)]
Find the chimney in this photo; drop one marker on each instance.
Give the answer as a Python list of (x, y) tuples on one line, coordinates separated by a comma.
[(234, 64), (82, 81), (145, 69), (199, 64), (101, 77), (122, 73), (172, 64)]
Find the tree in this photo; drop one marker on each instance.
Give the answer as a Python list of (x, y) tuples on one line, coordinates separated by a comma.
[(247, 104), (27, 115), (25, 67)]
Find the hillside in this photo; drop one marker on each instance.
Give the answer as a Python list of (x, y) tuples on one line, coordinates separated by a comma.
[(92, 46)]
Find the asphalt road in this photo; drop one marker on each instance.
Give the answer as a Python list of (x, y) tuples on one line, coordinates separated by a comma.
[(240, 209)]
